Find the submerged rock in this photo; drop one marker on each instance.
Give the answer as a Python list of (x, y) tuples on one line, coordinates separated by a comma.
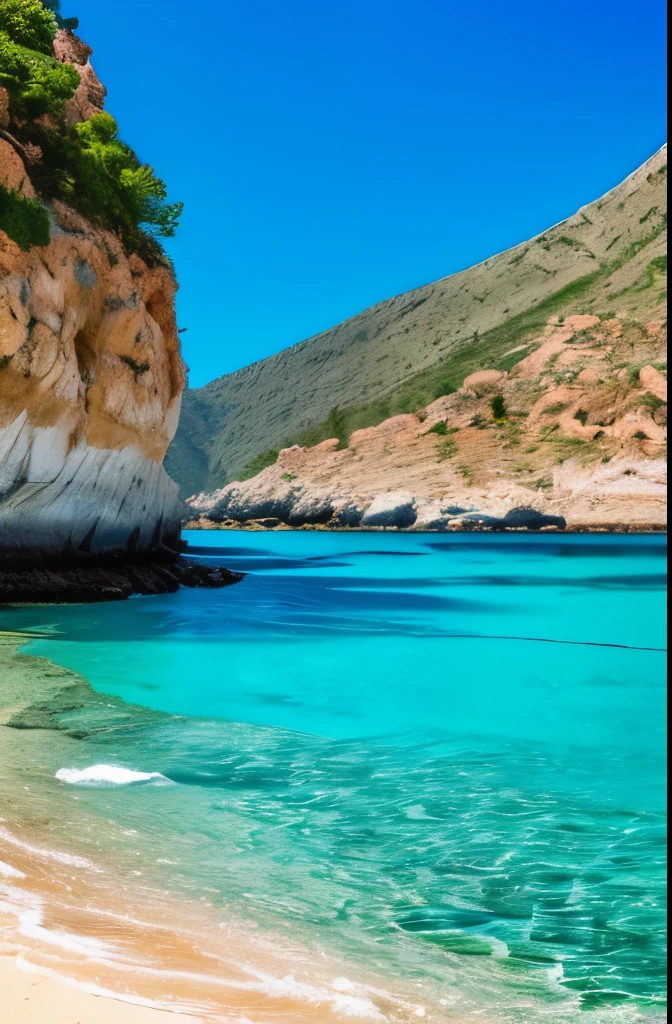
[(104, 578)]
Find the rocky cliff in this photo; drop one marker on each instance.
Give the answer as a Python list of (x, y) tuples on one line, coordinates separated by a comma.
[(556, 415), (91, 375), (399, 356), (573, 436)]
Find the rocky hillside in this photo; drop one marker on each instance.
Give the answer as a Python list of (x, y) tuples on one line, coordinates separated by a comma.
[(404, 354), (573, 435), (91, 374)]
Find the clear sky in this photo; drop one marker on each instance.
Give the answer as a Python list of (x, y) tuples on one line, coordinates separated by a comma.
[(332, 154)]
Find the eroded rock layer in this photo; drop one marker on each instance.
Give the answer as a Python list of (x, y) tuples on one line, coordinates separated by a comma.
[(91, 379), (574, 435)]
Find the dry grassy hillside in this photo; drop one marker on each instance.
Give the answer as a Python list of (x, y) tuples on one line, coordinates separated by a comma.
[(399, 356)]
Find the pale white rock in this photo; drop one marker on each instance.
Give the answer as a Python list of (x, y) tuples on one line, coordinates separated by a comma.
[(396, 508)]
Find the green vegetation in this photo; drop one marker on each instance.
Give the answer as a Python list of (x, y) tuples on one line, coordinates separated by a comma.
[(86, 164), (29, 23), (439, 428), (258, 463), (25, 221), (373, 387), (55, 7), (657, 266), (582, 416), (498, 407), (652, 402), (37, 84), (446, 446), (446, 375), (508, 362), (445, 449), (108, 184)]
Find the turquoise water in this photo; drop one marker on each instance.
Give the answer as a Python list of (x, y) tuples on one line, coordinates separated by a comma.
[(442, 757)]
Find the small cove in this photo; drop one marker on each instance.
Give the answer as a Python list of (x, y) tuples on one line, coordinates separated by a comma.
[(438, 757)]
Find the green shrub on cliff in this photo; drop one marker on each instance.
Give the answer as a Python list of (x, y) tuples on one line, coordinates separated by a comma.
[(37, 84), (85, 164), (29, 23), (108, 183), (25, 221), (55, 7)]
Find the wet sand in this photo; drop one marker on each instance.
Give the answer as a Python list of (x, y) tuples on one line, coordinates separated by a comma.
[(31, 998)]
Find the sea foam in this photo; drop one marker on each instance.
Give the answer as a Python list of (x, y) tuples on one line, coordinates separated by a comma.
[(9, 872), (106, 775)]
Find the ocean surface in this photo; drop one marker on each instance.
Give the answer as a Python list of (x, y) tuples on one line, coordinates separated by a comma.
[(436, 761)]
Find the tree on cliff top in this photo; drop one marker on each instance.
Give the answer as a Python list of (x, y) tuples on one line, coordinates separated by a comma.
[(85, 164), (110, 184), (29, 23)]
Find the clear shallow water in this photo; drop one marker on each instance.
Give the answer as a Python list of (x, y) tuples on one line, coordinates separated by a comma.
[(380, 746)]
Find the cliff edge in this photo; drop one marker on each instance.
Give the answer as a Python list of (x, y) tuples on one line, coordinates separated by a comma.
[(91, 375)]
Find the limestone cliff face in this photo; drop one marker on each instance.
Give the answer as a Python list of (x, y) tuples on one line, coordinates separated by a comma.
[(91, 375), (91, 380)]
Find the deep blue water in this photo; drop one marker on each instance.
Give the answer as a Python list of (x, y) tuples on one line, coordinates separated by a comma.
[(440, 755)]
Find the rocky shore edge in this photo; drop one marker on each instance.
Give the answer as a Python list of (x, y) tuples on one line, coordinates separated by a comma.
[(112, 577), (483, 525)]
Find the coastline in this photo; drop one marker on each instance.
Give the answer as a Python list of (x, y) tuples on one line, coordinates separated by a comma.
[(251, 525), (93, 578), (83, 931), (120, 920)]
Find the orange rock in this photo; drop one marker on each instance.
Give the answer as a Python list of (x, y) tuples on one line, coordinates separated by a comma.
[(89, 96), (91, 379), (652, 380), (13, 173), (482, 378)]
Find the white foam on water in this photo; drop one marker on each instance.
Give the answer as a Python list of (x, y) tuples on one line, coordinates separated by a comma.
[(9, 872), (342, 984), (289, 987), (30, 925), (17, 901), (61, 858), (105, 774), (265, 984)]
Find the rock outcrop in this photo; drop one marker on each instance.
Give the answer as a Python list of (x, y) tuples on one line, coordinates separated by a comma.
[(571, 436), (90, 95), (91, 377)]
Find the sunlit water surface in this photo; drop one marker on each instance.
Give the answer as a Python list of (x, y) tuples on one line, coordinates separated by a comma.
[(439, 757)]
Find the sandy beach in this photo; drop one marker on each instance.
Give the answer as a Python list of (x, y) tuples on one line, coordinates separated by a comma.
[(31, 998)]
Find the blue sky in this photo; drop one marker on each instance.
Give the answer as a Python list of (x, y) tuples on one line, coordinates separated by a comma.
[(331, 155)]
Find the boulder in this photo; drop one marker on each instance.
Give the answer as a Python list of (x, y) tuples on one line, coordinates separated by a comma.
[(391, 509), (528, 518)]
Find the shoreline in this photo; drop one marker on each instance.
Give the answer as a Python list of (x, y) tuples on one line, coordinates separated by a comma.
[(80, 934), (93, 578), (251, 525)]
